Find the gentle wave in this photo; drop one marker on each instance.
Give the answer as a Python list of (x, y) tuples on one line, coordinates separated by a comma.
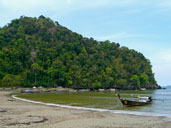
[(95, 109)]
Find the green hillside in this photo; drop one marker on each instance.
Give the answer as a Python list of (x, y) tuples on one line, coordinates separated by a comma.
[(41, 52)]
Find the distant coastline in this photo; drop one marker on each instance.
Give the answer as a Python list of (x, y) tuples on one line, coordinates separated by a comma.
[(167, 87)]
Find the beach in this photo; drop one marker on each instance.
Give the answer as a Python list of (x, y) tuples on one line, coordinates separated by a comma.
[(19, 114)]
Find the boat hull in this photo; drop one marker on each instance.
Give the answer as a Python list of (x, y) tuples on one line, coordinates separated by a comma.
[(134, 103)]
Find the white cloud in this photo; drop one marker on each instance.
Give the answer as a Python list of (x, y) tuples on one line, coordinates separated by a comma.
[(60, 4), (32, 4), (10, 9), (166, 3), (162, 73), (69, 1), (162, 57), (163, 6), (161, 61), (166, 57), (67, 6)]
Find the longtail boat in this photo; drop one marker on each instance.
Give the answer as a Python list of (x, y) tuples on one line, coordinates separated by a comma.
[(138, 101)]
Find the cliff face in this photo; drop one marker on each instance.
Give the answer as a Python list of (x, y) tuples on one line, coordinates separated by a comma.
[(39, 52)]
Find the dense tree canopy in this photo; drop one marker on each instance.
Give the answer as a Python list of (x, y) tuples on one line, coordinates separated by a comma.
[(40, 52)]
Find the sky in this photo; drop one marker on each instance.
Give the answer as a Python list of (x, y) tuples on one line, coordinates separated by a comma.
[(143, 25)]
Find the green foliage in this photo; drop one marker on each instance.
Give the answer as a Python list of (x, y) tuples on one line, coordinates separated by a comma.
[(97, 85), (144, 79), (135, 81), (121, 83), (11, 80), (47, 54)]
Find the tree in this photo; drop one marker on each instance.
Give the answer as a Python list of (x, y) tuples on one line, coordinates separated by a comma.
[(121, 84), (37, 71), (52, 74), (144, 79), (47, 54), (97, 85), (135, 81), (11, 80)]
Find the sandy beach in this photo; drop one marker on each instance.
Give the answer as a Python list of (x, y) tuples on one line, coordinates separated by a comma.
[(20, 114)]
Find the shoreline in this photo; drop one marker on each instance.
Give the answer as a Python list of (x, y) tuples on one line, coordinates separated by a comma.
[(15, 113), (136, 113)]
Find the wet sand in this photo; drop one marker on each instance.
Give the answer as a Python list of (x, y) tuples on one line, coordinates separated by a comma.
[(20, 114)]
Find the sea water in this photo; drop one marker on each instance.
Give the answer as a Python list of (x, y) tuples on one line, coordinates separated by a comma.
[(107, 101), (161, 104)]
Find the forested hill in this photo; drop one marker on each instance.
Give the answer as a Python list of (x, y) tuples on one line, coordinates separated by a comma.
[(40, 52)]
